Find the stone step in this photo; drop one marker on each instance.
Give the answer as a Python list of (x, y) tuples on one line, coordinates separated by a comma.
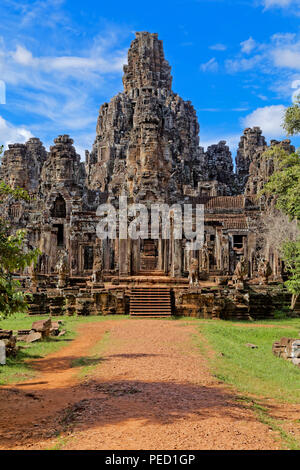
[(150, 296), (151, 273), (148, 301)]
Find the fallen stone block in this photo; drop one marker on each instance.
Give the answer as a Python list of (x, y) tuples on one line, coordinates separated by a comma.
[(287, 348), (5, 334), (33, 336), (42, 326), (22, 335)]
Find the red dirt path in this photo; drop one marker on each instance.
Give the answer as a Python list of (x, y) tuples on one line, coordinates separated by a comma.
[(151, 390)]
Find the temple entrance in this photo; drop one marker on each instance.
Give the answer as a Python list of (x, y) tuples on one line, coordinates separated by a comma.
[(149, 255), (59, 208), (88, 258), (60, 239)]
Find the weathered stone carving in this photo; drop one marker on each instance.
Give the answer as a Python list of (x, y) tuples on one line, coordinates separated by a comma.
[(194, 273), (97, 267), (240, 271), (33, 274), (204, 256), (147, 143), (264, 271), (62, 269), (146, 148), (252, 143), (22, 163)]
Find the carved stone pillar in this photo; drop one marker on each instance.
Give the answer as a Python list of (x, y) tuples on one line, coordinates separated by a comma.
[(123, 257)]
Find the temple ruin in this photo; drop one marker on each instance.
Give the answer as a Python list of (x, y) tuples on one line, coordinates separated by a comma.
[(147, 149)]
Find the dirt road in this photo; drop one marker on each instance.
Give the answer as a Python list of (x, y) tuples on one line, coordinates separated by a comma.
[(151, 390)]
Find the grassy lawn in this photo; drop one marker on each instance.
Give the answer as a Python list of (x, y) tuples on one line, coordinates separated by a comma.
[(18, 368), (256, 374), (254, 371)]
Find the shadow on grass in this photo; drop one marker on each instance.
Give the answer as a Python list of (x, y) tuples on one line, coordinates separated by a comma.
[(133, 356), (22, 366), (86, 361)]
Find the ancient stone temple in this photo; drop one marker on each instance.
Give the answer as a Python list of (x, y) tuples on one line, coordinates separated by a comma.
[(147, 151)]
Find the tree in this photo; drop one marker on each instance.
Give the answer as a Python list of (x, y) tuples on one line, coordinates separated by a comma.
[(284, 184), (291, 256), (273, 230), (292, 118), (14, 256)]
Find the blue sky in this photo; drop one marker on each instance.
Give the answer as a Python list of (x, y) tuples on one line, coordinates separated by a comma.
[(237, 61)]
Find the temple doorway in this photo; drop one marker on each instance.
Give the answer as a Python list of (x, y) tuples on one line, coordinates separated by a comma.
[(59, 208), (149, 255)]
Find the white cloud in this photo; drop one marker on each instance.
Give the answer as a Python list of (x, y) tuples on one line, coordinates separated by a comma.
[(248, 46), (210, 66), (242, 65), (291, 6), (262, 97), (49, 10), (23, 56), (269, 119), (2, 92), (278, 58), (10, 134), (65, 92), (57, 78), (99, 61), (287, 57), (218, 47), (278, 3), (283, 38)]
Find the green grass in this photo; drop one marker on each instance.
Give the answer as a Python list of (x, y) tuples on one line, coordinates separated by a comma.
[(254, 371), (88, 363), (18, 368), (256, 374)]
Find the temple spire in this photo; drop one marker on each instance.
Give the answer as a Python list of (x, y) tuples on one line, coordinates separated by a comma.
[(147, 66)]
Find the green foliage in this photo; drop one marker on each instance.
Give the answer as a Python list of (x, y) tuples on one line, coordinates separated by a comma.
[(283, 313), (291, 257), (292, 119), (14, 256), (18, 193), (284, 183)]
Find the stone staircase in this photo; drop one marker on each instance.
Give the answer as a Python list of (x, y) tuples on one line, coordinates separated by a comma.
[(151, 273), (150, 302)]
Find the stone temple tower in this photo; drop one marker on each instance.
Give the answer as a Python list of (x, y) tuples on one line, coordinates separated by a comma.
[(22, 164), (147, 143)]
